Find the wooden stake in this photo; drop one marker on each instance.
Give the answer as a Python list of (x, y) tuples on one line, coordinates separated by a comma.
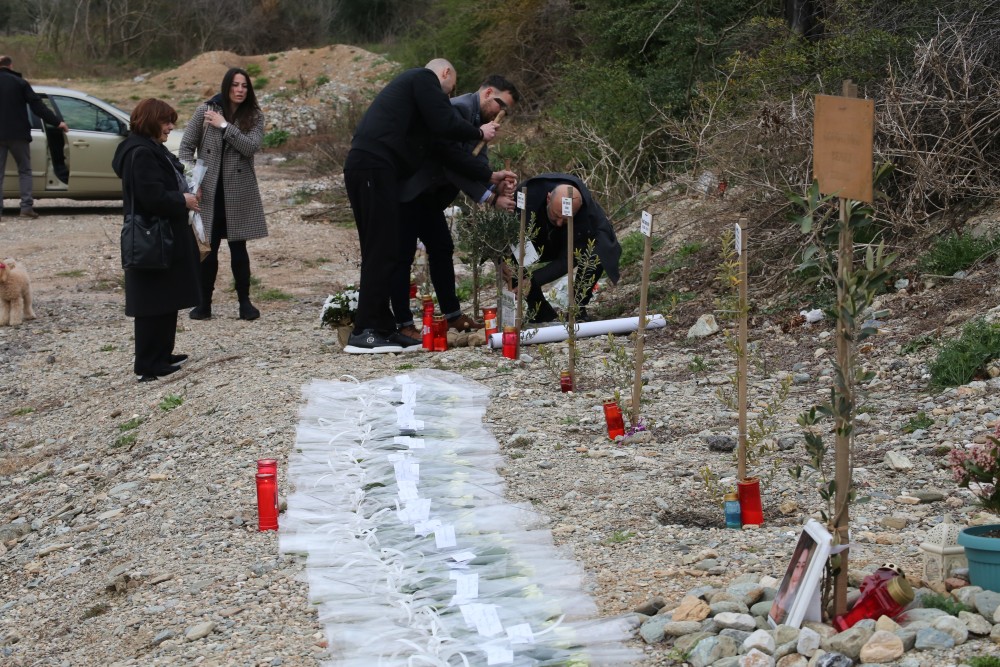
[(842, 474), (640, 335), (571, 300), (520, 260), (741, 373), (482, 143)]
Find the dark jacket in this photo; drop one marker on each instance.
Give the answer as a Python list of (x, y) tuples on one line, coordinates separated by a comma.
[(453, 168), (16, 95), (148, 173), (591, 222), (404, 119)]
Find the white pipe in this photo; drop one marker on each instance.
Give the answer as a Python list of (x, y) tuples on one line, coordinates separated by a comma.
[(555, 334)]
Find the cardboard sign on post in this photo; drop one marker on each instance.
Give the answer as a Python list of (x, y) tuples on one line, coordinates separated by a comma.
[(843, 132)]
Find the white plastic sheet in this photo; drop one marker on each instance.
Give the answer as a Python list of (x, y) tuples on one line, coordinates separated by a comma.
[(413, 555), (557, 333)]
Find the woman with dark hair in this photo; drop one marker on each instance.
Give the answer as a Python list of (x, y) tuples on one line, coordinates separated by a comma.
[(226, 132), (153, 184)]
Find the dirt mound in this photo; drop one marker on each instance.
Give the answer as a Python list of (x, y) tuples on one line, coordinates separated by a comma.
[(299, 73), (300, 68)]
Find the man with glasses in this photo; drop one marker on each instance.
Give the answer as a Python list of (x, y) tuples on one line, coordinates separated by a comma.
[(433, 188)]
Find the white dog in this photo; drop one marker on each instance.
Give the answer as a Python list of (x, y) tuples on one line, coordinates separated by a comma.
[(15, 295)]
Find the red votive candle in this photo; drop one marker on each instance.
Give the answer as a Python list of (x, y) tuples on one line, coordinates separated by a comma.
[(490, 322), (440, 333), (510, 342), (886, 598), (751, 510), (613, 417), (565, 381), (267, 501), (427, 334)]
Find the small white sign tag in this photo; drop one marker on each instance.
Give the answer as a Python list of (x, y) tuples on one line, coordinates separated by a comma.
[(567, 206), (646, 226), (739, 240), (520, 199)]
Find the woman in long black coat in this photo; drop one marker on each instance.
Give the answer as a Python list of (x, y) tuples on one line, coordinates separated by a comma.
[(153, 182)]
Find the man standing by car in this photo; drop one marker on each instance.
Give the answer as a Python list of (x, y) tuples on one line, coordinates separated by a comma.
[(16, 96)]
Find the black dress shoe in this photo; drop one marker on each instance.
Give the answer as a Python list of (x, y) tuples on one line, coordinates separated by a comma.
[(158, 373), (199, 313), (176, 358)]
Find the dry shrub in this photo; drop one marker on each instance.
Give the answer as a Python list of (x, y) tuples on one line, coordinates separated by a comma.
[(332, 141), (940, 120)]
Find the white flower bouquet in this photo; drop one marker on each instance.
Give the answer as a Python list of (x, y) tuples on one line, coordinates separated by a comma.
[(339, 309)]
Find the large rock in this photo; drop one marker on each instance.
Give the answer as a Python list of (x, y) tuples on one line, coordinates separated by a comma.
[(705, 326), (691, 608), (882, 647)]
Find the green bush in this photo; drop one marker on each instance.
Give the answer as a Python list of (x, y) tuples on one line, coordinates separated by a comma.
[(633, 246), (984, 661), (958, 361), (944, 603), (956, 252), (260, 83), (253, 69), (275, 138)]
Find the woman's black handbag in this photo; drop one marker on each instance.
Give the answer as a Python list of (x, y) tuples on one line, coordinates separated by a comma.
[(147, 241)]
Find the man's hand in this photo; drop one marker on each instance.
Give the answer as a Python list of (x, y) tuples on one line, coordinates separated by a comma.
[(501, 179), (489, 130), (506, 203), (63, 126)]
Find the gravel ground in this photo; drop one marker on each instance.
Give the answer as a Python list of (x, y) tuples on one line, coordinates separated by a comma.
[(127, 511)]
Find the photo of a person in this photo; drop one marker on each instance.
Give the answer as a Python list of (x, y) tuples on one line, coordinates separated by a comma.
[(792, 583)]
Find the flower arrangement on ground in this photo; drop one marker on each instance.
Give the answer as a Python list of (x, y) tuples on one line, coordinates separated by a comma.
[(978, 469), (339, 309)]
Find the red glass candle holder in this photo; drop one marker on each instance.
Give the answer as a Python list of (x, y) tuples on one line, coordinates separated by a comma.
[(440, 333), (413, 290), (565, 381), (427, 334), (751, 510), (268, 465), (490, 322), (511, 340), (886, 598), (267, 501), (613, 418)]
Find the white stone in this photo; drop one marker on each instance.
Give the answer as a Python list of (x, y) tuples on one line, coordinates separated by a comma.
[(705, 326), (760, 640)]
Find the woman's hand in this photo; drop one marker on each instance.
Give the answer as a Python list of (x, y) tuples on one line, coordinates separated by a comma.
[(214, 118), (191, 201)]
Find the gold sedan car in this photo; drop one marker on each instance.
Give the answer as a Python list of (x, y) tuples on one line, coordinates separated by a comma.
[(75, 165)]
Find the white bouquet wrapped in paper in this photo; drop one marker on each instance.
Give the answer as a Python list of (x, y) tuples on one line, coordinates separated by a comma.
[(193, 173)]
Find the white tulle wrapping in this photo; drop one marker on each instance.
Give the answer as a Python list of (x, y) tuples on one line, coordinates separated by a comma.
[(399, 508)]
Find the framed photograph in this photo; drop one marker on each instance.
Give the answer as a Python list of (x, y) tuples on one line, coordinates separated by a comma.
[(798, 597)]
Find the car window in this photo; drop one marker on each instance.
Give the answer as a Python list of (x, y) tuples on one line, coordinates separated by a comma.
[(82, 115)]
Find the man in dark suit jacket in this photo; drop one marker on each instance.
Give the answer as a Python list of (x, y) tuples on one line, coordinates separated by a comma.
[(16, 95), (390, 143), (428, 192), (543, 204)]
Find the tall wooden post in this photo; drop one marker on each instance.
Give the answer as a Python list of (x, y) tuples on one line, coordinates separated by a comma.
[(842, 426), (521, 202), (567, 210), (640, 336), (741, 355)]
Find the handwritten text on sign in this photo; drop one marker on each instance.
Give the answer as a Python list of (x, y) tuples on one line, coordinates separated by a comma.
[(842, 146)]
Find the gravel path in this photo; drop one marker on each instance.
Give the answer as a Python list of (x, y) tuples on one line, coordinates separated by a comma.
[(127, 511)]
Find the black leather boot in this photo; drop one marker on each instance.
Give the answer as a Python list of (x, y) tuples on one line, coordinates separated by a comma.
[(209, 270), (241, 276)]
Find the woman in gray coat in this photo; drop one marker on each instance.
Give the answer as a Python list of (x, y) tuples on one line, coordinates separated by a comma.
[(226, 132)]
